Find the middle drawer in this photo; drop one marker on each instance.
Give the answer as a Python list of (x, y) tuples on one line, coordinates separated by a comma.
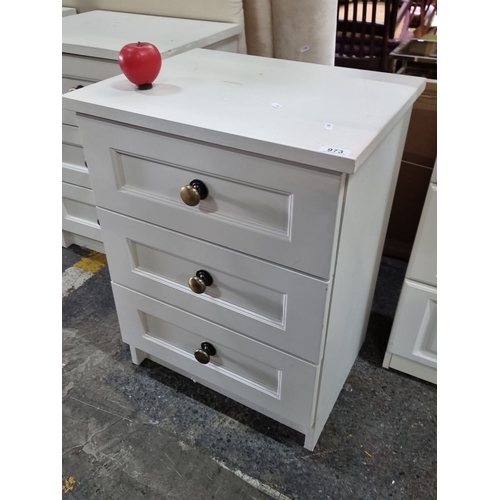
[(277, 306)]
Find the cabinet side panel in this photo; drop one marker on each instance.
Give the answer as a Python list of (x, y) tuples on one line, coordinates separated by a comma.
[(366, 212)]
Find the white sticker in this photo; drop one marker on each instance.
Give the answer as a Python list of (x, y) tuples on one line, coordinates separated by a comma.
[(335, 151), (275, 105), (328, 126), (305, 48)]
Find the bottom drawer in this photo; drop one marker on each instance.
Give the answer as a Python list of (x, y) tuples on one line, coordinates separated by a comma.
[(79, 214), (258, 376), (414, 332)]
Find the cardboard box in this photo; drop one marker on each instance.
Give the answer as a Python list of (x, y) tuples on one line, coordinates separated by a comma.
[(409, 198), (419, 157), (421, 141)]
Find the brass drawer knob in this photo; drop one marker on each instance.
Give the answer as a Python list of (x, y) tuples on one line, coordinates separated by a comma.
[(194, 192), (203, 354), (199, 283)]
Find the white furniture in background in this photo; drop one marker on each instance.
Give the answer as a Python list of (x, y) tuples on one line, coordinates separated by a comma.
[(243, 203), (68, 11), (412, 346), (91, 42)]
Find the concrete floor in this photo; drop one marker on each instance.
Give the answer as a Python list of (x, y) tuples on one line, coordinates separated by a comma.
[(145, 432)]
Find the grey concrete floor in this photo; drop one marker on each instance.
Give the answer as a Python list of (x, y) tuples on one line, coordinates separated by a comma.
[(145, 432)]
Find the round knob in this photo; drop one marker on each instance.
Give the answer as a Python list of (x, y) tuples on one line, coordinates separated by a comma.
[(199, 283), (194, 192), (203, 354)]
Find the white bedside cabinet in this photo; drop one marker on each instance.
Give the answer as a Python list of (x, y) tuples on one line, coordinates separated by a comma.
[(68, 11), (243, 205), (91, 42), (412, 346)]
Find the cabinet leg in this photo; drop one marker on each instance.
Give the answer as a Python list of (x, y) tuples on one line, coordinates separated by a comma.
[(387, 360), (138, 356), (67, 239), (311, 439)]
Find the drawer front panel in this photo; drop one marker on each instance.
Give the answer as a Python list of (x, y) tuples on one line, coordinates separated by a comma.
[(74, 170), (260, 376), (423, 262), (73, 174), (72, 83), (257, 299), (282, 213), (71, 135), (69, 117), (79, 214), (414, 334), (73, 155), (88, 68)]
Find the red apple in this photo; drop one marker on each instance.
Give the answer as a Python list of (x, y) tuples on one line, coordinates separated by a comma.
[(140, 63)]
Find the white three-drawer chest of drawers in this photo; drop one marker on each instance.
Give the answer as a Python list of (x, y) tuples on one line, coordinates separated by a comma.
[(91, 42), (243, 204)]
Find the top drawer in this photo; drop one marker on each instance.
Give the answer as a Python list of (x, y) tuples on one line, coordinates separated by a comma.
[(279, 212), (89, 68)]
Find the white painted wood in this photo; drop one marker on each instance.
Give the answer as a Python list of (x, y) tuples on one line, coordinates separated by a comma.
[(280, 214), (368, 201), (74, 174), (422, 266), (434, 178), (257, 373), (412, 346), (93, 68), (253, 297), (413, 368), (228, 45), (226, 99), (73, 155), (255, 205), (72, 83), (74, 170), (92, 40), (69, 239), (79, 214), (101, 34), (68, 11), (71, 135), (137, 355), (414, 331), (80, 194)]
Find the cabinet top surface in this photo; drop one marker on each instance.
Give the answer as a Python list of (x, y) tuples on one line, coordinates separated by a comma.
[(286, 109), (66, 11), (102, 34)]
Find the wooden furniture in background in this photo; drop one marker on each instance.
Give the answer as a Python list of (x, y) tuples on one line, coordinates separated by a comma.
[(419, 157), (245, 256), (366, 34), (417, 18)]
